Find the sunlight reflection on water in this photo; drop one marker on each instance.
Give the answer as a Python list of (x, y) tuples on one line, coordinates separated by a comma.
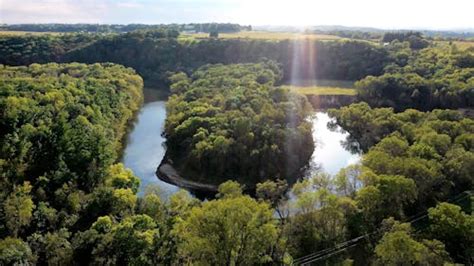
[(330, 154)]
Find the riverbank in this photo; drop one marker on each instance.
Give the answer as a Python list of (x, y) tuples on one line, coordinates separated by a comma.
[(167, 173)]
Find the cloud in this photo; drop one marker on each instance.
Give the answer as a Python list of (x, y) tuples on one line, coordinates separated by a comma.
[(131, 4), (53, 11), (390, 14)]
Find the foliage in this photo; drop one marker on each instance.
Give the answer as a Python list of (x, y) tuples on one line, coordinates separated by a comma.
[(229, 122), (434, 77), (235, 230), (398, 247), (61, 131), (454, 227), (424, 147), (156, 53), (14, 251)]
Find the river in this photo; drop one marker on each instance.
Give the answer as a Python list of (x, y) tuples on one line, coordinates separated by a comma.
[(145, 145), (330, 155)]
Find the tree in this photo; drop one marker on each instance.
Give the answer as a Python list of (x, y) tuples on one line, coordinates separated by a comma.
[(275, 193), (319, 218), (18, 208), (229, 189), (398, 247), (348, 181), (455, 228), (228, 231), (14, 251), (52, 248), (119, 177)]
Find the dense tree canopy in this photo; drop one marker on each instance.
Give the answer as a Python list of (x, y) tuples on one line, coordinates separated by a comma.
[(65, 200), (435, 77), (61, 130), (154, 53), (229, 122)]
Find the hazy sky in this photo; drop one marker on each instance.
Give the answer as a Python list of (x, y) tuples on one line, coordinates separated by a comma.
[(433, 14)]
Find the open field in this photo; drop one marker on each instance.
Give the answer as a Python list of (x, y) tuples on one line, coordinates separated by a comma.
[(345, 84), (263, 35), (17, 33), (322, 90)]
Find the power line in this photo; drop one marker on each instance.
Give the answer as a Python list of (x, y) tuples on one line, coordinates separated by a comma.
[(340, 247)]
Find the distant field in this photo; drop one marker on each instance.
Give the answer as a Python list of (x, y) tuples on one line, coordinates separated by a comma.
[(17, 33), (345, 84), (263, 35), (319, 90)]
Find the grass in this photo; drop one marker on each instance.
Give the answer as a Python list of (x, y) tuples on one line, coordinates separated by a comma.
[(322, 87), (322, 90), (262, 35)]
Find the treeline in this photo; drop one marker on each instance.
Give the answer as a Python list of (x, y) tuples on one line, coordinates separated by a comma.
[(154, 54), (215, 27), (435, 77), (119, 28), (415, 39), (29, 49), (230, 122), (379, 34), (153, 58)]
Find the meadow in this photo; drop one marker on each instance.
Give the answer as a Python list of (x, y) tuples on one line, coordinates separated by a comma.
[(322, 90), (322, 87)]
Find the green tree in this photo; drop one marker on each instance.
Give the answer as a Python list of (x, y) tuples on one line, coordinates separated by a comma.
[(398, 247), (228, 231), (18, 208), (14, 251), (455, 228)]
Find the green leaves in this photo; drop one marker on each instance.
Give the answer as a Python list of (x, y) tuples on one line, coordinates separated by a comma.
[(234, 230), (18, 208), (229, 122)]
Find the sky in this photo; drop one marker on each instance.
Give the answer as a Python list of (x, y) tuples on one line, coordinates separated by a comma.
[(392, 14)]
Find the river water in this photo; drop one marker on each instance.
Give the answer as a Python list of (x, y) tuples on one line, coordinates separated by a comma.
[(145, 145), (330, 155)]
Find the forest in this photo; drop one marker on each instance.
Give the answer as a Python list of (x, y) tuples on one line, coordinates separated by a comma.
[(229, 122), (409, 72), (154, 54), (68, 101)]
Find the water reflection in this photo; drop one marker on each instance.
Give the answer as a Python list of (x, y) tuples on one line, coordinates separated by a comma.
[(331, 153), (145, 146)]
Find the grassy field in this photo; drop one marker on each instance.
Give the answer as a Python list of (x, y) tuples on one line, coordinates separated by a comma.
[(17, 33), (322, 90), (322, 87), (262, 35)]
